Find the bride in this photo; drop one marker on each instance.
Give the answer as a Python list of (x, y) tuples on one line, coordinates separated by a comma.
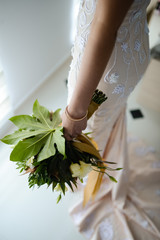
[(111, 53)]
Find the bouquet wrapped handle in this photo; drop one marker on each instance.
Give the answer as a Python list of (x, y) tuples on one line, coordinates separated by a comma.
[(91, 109), (97, 99)]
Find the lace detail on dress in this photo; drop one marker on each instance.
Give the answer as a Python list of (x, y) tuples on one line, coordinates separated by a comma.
[(82, 20), (135, 15), (124, 47), (137, 45), (127, 56), (128, 51), (130, 46), (119, 89), (122, 34), (113, 78), (106, 230), (82, 39), (90, 6)]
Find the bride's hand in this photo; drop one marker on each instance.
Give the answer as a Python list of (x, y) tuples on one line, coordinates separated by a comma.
[(73, 126)]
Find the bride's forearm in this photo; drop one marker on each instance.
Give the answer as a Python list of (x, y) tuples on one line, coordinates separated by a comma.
[(108, 17), (96, 55)]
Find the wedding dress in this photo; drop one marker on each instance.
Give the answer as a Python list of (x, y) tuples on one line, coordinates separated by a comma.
[(129, 209)]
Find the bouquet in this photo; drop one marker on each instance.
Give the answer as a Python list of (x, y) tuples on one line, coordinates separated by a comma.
[(40, 149)]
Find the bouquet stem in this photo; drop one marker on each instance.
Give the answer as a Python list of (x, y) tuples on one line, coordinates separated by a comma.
[(97, 99)]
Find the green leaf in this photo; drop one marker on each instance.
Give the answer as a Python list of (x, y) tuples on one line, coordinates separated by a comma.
[(73, 180), (19, 135), (59, 140), (97, 160), (81, 179), (59, 198), (62, 184), (110, 162), (119, 169), (56, 118), (70, 185), (42, 114), (109, 169), (113, 169), (48, 149), (112, 178), (27, 122), (27, 148), (54, 184)]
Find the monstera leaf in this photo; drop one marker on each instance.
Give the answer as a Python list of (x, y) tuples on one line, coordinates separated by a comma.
[(39, 134)]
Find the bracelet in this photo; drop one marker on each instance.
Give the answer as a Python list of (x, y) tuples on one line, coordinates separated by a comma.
[(74, 119)]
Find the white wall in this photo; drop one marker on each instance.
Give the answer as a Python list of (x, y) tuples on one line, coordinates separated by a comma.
[(35, 36)]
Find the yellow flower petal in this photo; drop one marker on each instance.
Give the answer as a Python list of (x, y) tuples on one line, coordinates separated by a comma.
[(80, 170)]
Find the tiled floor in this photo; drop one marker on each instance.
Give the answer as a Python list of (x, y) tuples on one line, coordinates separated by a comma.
[(27, 214)]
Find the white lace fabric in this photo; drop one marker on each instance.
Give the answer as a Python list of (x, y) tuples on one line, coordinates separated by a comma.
[(129, 209)]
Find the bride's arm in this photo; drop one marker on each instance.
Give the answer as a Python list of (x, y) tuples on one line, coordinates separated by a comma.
[(108, 17)]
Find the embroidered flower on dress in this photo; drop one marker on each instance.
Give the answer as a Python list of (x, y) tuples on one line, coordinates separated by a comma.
[(135, 15), (119, 89), (142, 56), (113, 78), (122, 34), (127, 56), (137, 45), (124, 47)]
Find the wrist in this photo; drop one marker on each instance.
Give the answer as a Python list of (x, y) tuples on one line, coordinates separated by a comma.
[(76, 112)]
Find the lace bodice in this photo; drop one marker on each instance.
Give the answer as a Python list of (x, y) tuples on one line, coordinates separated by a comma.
[(129, 54)]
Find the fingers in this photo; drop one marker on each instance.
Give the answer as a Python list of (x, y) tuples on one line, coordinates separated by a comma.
[(70, 137), (71, 129)]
